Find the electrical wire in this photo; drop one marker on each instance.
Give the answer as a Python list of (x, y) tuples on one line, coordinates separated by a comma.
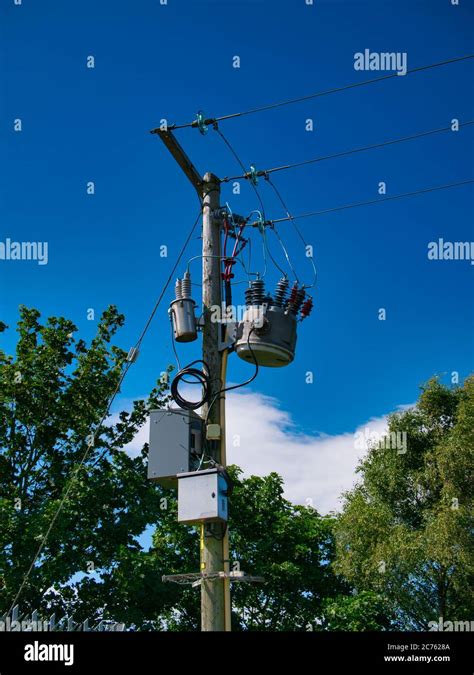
[(199, 257), (265, 247), (297, 229), (346, 153), (320, 94), (173, 344), (91, 441), (202, 377), (238, 259), (236, 386), (265, 242), (375, 201), (249, 259), (241, 164), (285, 252), (264, 252), (245, 265), (167, 283)]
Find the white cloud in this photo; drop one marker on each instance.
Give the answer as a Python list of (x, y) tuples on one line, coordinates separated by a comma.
[(261, 437), (316, 468)]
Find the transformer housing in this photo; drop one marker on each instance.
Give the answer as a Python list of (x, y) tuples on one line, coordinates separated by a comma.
[(182, 311), (270, 333), (184, 320)]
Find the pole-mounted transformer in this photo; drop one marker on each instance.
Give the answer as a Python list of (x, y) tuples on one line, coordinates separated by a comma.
[(267, 332), (182, 311)]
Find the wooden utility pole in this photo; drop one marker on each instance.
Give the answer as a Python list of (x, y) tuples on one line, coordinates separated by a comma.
[(215, 593), (212, 535)]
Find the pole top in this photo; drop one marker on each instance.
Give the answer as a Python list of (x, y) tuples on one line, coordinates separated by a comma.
[(210, 177), (210, 183)]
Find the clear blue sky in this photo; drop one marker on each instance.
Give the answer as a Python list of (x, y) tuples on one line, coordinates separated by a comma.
[(154, 61)]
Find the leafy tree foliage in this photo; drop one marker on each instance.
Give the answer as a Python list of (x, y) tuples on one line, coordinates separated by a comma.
[(406, 529), (363, 611), (52, 393)]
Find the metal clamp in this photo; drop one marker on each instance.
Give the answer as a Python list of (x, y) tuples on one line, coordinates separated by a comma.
[(196, 578), (230, 336), (252, 175)]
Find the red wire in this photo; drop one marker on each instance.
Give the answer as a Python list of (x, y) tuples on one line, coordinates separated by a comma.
[(229, 262), (237, 239), (226, 228)]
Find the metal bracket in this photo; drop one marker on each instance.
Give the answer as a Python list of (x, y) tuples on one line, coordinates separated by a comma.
[(221, 212), (260, 223), (200, 323), (230, 336), (132, 355), (196, 578)]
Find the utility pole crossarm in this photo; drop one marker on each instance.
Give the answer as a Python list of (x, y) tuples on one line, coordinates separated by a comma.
[(181, 158)]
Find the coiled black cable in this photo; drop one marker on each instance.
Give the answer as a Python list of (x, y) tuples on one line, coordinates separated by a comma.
[(201, 377), (236, 386)]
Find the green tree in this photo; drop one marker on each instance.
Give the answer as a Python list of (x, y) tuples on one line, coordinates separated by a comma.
[(365, 611), (53, 392), (290, 546), (406, 528)]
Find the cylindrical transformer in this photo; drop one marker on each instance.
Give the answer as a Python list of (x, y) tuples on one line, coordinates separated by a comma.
[(270, 336), (182, 311), (184, 321)]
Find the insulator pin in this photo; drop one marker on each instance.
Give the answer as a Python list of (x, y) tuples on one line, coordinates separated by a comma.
[(306, 309), (258, 291), (249, 296), (186, 285), (280, 291)]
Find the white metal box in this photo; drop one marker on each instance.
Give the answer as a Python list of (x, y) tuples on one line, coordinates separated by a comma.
[(202, 497), (175, 444)]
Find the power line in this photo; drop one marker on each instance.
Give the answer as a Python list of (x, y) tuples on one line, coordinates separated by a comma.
[(165, 287), (91, 440), (373, 201), (285, 252), (345, 153), (297, 229), (270, 255), (232, 150), (327, 92), (260, 200)]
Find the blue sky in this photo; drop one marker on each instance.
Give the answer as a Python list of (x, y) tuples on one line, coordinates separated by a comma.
[(154, 61)]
